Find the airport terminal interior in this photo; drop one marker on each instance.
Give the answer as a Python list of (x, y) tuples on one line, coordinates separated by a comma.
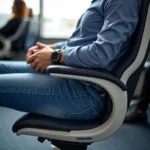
[(46, 24)]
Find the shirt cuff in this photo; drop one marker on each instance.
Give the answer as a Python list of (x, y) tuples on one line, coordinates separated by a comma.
[(60, 44), (71, 57)]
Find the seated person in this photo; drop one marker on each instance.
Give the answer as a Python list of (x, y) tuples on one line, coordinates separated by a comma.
[(101, 38), (19, 12), (30, 13)]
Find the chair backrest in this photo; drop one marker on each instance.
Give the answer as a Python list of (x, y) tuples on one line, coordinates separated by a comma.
[(130, 66), (18, 39), (33, 33)]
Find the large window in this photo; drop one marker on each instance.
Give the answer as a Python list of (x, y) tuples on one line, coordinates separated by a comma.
[(34, 5), (5, 11), (60, 17)]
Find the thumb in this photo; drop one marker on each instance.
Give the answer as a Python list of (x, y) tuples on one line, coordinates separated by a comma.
[(40, 45)]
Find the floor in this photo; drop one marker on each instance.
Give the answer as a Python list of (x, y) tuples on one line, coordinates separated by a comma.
[(128, 137)]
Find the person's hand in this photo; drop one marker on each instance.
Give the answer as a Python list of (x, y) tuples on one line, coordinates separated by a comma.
[(39, 46), (41, 59)]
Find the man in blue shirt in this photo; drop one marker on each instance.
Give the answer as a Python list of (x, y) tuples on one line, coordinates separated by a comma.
[(101, 37)]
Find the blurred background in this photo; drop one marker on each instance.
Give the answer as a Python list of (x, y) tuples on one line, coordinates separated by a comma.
[(58, 17), (50, 21)]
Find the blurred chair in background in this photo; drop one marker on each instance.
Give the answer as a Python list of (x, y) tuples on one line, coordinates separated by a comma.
[(33, 30), (30, 13), (32, 34), (14, 35), (19, 13), (138, 112), (13, 28)]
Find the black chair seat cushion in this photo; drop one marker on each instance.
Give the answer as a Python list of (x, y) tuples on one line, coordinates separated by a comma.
[(49, 123)]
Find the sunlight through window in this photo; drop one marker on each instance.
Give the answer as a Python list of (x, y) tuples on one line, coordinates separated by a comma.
[(60, 17)]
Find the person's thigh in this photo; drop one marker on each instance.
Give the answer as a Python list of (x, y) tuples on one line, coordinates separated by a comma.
[(7, 67), (46, 95)]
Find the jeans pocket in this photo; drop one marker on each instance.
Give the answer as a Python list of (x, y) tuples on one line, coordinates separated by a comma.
[(89, 113)]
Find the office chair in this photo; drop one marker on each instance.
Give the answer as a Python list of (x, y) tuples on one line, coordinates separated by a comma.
[(32, 33), (5, 46), (120, 85), (14, 42)]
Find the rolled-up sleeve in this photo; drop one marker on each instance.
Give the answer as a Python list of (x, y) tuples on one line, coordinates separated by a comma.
[(120, 20)]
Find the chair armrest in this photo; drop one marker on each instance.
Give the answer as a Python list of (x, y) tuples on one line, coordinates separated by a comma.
[(102, 74), (114, 87), (6, 46)]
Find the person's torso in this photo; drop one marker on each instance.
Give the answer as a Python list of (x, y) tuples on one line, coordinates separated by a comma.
[(89, 25)]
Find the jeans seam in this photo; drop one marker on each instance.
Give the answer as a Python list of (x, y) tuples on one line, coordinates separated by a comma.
[(80, 112), (102, 96), (95, 111), (38, 93), (100, 103)]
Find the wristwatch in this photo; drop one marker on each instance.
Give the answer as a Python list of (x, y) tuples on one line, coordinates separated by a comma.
[(55, 57)]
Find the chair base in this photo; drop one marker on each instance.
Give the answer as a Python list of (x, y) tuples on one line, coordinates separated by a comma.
[(63, 145), (69, 145)]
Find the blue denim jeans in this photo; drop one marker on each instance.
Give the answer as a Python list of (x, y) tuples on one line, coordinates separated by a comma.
[(24, 90)]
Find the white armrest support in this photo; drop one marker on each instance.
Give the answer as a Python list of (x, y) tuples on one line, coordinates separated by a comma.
[(119, 99), (118, 95), (6, 46), (84, 72)]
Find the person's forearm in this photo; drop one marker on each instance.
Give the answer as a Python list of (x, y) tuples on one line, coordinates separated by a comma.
[(53, 46), (57, 45)]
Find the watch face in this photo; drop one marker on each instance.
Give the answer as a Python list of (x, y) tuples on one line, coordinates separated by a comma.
[(55, 56)]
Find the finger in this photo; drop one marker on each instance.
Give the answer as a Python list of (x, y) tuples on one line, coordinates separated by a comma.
[(30, 51), (35, 50), (33, 47), (33, 65), (40, 45), (31, 58), (37, 68), (42, 70)]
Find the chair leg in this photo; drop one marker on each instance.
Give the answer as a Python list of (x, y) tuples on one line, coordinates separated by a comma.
[(69, 145)]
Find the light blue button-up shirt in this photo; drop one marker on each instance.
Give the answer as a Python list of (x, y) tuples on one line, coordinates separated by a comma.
[(102, 34)]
